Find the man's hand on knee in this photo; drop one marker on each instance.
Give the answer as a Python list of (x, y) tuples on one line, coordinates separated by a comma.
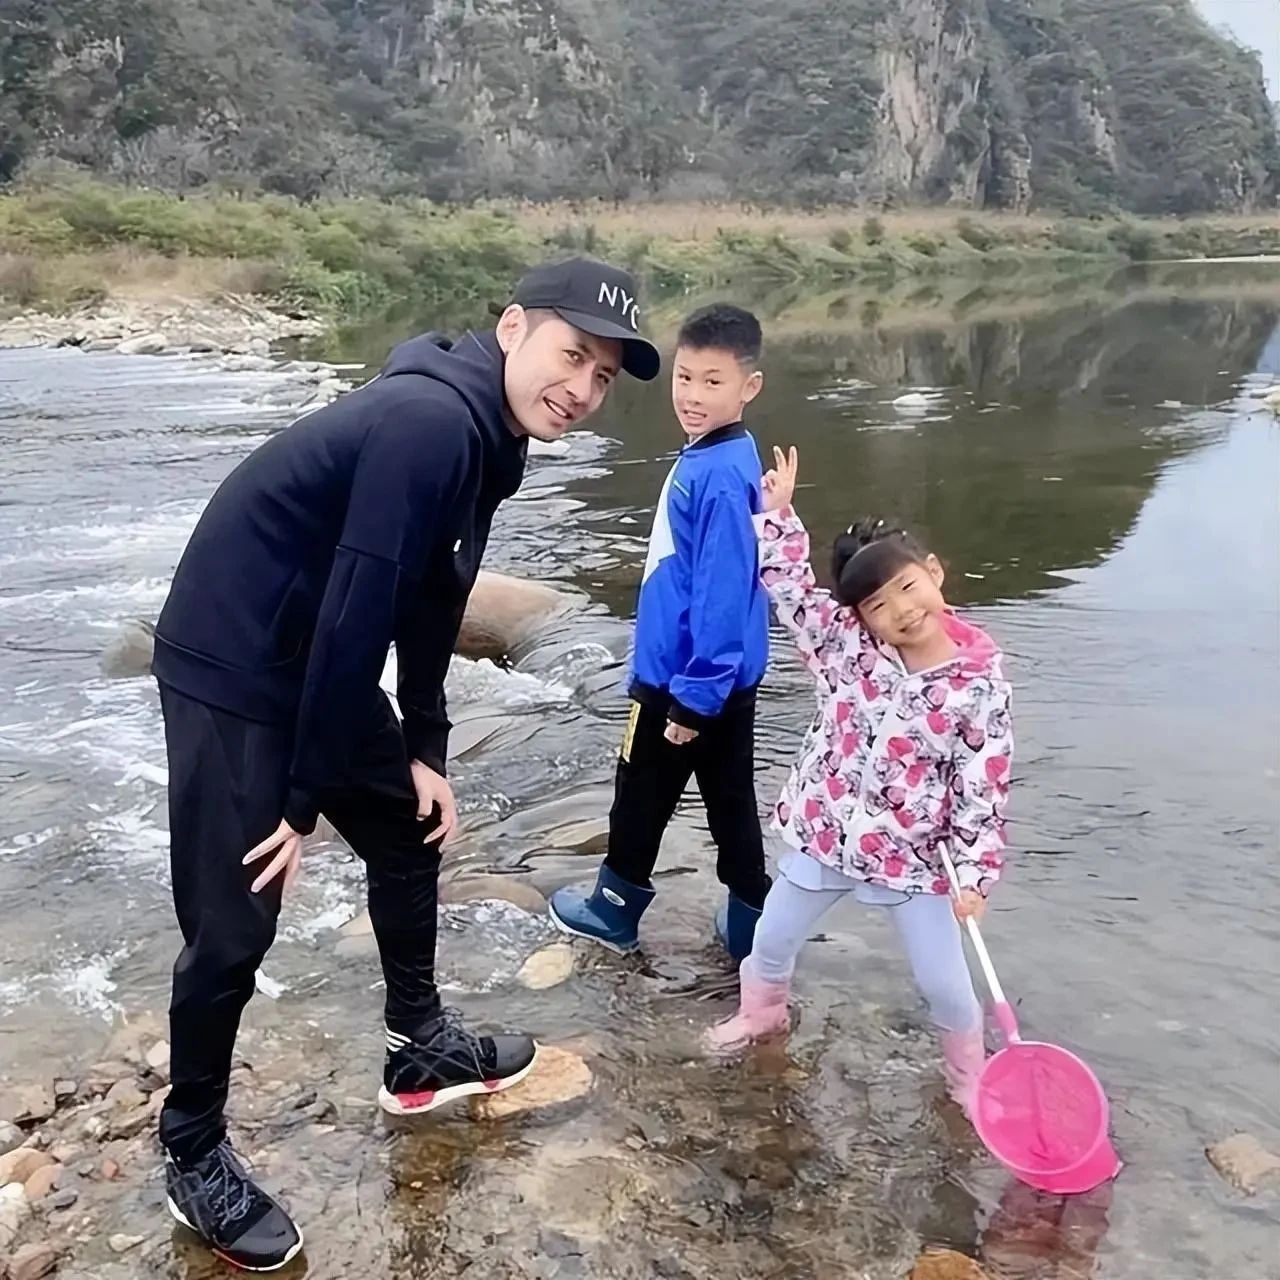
[(434, 793), (286, 844)]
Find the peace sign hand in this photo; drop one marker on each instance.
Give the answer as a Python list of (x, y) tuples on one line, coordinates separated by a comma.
[(779, 483)]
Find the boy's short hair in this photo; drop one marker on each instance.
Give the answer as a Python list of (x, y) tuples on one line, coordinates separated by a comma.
[(724, 327)]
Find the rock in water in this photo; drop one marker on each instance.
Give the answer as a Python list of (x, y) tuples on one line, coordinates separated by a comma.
[(158, 1056), (42, 1182), (150, 344), (502, 611), (547, 968), (558, 1076), (10, 1137), (129, 654), (19, 1165), (14, 1211), (946, 1264), (513, 889), (33, 1261), (27, 1106), (1244, 1162)]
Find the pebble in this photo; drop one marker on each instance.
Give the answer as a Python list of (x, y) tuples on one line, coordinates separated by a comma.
[(946, 1264), (547, 968), (1244, 1162), (19, 1165), (110, 1169), (558, 1076), (33, 1261), (123, 1243), (63, 1199), (158, 1056), (124, 1095), (64, 1090)]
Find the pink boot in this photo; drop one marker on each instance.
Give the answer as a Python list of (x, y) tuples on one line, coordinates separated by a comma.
[(762, 1011), (963, 1054)]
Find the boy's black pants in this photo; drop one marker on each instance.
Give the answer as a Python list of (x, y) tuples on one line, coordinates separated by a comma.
[(653, 773), (228, 778)]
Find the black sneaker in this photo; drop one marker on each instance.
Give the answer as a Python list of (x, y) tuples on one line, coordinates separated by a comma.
[(445, 1062), (216, 1198)]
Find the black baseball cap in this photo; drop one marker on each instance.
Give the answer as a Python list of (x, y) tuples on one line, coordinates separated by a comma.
[(598, 299)]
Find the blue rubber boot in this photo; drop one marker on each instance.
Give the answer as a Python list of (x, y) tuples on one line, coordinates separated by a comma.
[(609, 915), (736, 927)]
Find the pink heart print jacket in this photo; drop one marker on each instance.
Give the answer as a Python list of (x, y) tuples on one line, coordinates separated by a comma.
[(894, 761)]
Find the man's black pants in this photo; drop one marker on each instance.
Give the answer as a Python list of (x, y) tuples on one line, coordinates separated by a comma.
[(228, 779), (653, 773)]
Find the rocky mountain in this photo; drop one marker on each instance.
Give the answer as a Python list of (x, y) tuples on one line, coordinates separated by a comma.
[(1082, 105)]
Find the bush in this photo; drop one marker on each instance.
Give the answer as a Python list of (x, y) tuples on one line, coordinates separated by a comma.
[(1136, 242), (925, 245), (873, 231), (976, 236), (841, 240)]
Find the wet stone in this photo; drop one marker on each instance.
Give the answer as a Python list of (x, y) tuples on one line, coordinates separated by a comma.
[(547, 968), (558, 1077), (511, 889), (33, 1261), (946, 1264), (19, 1165), (1244, 1162)]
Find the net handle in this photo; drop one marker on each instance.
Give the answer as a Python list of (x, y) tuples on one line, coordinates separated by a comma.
[(975, 935)]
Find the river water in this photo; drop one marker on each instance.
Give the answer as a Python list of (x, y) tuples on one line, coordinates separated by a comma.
[(1097, 473)]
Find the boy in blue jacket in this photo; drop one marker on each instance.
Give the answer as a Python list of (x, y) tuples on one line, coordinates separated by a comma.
[(701, 648)]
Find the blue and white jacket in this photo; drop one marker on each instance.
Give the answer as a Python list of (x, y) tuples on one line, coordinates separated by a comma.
[(702, 619)]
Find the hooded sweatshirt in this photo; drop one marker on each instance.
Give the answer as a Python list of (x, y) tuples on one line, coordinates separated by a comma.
[(360, 525), (895, 761)]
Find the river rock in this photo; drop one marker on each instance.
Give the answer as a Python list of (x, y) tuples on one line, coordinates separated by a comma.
[(125, 1095), (14, 1211), (129, 652), (547, 968), (10, 1137), (558, 1076), (247, 364), (514, 889), (61, 1200), (1244, 1162), (502, 611), (19, 1165), (44, 1181), (64, 1091), (158, 1056), (946, 1264), (359, 926), (149, 344), (123, 1244), (131, 1040), (28, 1105), (33, 1261)]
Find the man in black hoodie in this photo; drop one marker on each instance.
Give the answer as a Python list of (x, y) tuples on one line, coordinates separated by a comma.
[(359, 526)]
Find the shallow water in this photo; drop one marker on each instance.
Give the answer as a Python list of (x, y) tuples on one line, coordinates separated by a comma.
[(1100, 480)]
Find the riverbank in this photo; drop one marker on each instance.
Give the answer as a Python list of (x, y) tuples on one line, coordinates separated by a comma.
[(84, 244)]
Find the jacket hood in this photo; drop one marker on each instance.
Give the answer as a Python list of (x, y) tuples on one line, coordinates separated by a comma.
[(976, 650), (472, 366)]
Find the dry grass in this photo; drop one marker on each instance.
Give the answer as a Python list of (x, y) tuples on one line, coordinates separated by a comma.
[(703, 221), (129, 274)]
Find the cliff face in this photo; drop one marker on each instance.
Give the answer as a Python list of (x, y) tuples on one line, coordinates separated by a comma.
[(1077, 104)]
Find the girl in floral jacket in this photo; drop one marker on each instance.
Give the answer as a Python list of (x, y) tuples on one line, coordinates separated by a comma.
[(911, 746)]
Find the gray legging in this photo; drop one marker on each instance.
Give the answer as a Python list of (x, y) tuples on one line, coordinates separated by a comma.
[(929, 932)]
